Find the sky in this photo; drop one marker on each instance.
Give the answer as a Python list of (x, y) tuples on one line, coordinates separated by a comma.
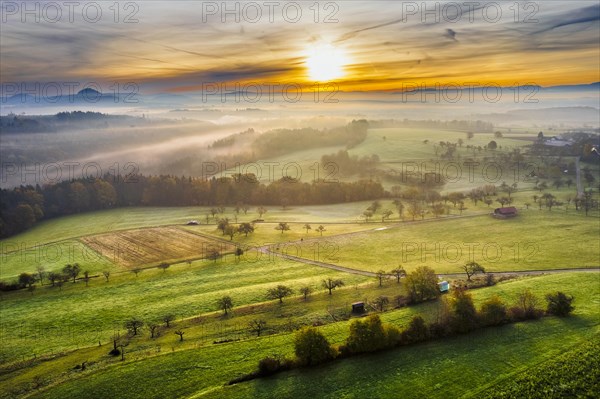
[(182, 46)]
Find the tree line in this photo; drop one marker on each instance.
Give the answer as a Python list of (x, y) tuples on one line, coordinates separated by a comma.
[(456, 315), (22, 207)]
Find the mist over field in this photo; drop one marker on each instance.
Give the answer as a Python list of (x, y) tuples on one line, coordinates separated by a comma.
[(169, 137)]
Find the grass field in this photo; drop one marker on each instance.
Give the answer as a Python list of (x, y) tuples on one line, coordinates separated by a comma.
[(575, 373), (52, 320), (458, 365), (265, 233), (533, 240), (55, 243)]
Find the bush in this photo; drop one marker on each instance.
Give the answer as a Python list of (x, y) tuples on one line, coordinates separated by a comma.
[(493, 312), (527, 303), (559, 304), (272, 364), (464, 314), (416, 331), (439, 329), (366, 335), (5, 287), (393, 335), (490, 279), (311, 347), (114, 352)]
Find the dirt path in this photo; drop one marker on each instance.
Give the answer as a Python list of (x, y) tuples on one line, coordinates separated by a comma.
[(267, 250)]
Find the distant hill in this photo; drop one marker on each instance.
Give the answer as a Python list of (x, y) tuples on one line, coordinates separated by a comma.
[(576, 115), (64, 121)]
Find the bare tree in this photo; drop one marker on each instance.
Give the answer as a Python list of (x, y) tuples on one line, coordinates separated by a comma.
[(245, 228), (225, 304), (257, 326), (279, 292), (380, 276), (331, 284), (168, 318), (381, 302), (306, 291), (230, 231), (180, 333), (72, 271), (472, 268), (134, 326), (106, 274), (261, 211), (398, 272), (153, 327), (386, 214), (164, 266), (41, 271), (53, 277), (282, 226)]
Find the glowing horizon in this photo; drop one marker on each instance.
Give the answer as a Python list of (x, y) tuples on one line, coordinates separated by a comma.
[(371, 47)]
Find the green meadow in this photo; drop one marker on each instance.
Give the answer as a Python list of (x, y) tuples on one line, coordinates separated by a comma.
[(534, 240), (456, 365)]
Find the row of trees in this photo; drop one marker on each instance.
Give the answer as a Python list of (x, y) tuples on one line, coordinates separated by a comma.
[(456, 315), (283, 291), (54, 278), (22, 207)]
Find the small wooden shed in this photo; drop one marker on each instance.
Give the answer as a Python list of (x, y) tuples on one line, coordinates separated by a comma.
[(506, 212), (358, 307)]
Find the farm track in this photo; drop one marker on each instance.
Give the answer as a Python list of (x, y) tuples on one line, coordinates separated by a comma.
[(177, 230), (267, 250)]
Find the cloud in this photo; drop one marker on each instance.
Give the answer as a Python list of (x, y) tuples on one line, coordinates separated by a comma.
[(577, 17), (170, 48), (450, 34)]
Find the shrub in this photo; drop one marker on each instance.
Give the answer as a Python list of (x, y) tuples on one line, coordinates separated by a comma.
[(439, 329), (527, 303), (490, 279), (12, 286), (272, 364), (464, 314), (559, 304), (366, 335), (493, 312), (416, 331), (311, 347), (516, 313), (393, 335)]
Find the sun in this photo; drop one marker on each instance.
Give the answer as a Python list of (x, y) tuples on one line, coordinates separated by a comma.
[(325, 62)]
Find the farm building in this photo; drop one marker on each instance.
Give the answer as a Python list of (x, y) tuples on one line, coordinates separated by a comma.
[(558, 142), (358, 307), (506, 212), (444, 286)]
